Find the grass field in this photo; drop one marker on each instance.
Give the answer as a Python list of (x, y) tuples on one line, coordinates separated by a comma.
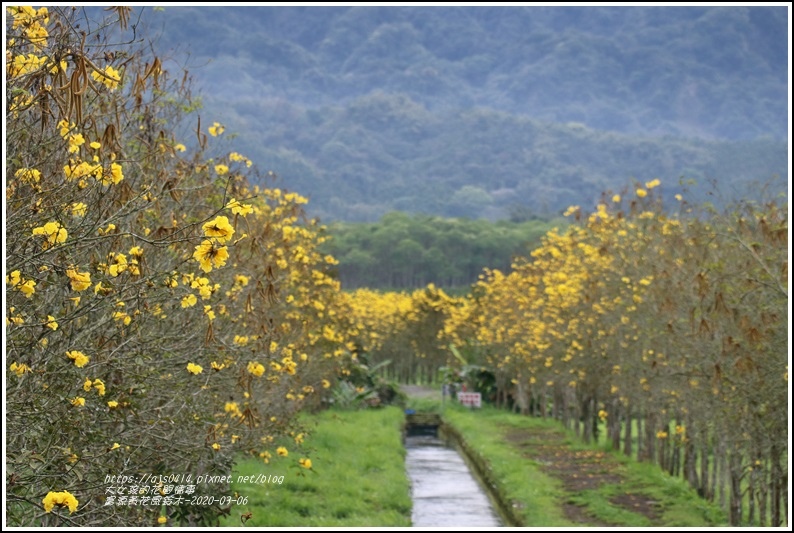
[(357, 477), (553, 480)]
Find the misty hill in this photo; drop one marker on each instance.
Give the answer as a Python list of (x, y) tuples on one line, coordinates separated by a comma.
[(477, 111)]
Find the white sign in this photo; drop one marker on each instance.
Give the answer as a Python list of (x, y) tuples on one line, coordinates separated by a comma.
[(470, 399)]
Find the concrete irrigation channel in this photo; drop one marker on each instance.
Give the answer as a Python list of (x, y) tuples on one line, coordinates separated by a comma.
[(447, 485)]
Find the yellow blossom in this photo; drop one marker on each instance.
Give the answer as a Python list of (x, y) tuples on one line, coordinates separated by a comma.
[(194, 369), (216, 446), (99, 385), (282, 451), (257, 369), (642, 193), (113, 404), (179, 147), (110, 77), (189, 300), (216, 129), (221, 169), (79, 209), (19, 369), (78, 401), (162, 519), (653, 183), (219, 228), (115, 446), (51, 323), (53, 231), (76, 140), (79, 358), (28, 175), (208, 255), (305, 462), (238, 208), (80, 281), (61, 499)]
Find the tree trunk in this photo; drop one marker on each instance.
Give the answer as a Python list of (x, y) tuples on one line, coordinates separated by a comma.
[(627, 438), (735, 469)]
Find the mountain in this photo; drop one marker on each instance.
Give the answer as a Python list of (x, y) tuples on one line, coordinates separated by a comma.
[(474, 111)]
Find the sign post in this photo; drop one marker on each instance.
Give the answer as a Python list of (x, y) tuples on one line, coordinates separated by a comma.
[(470, 399)]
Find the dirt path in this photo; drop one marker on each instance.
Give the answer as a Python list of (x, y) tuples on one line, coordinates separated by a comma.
[(421, 391), (580, 471)]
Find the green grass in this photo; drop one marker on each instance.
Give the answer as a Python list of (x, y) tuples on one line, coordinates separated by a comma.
[(534, 496), (540, 497), (358, 476)]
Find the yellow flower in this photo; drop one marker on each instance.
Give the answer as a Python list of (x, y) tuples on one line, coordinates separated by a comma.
[(79, 209), (51, 323), (162, 519), (616, 198), (642, 193), (305, 463), (61, 499), (257, 369), (194, 369), (208, 255), (653, 183), (28, 175), (110, 77), (238, 208), (99, 385), (282, 451), (80, 281), (54, 232), (79, 358), (87, 385), (119, 264), (179, 147), (113, 404), (79, 401), (216, 129), (189, 300), (216, 446), (661, 434), (221, 169), (326, 383), (602, 415), (19, 369), (95, 145), (217, 367), (75, 141), (24, 286), (114, 176), (115, 446), (219, 228)]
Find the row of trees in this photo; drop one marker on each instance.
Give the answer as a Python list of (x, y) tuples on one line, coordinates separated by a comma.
[(162, 314), (407, 252), (668, 331)]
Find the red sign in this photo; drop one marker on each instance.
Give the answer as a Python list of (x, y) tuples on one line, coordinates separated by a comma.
[(470, 399)]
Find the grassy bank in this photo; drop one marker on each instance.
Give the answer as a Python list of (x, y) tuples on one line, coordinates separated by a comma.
[(550, 479), (357, 476)]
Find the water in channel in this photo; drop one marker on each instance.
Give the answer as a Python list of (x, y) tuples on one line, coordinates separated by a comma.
[(444, 491)]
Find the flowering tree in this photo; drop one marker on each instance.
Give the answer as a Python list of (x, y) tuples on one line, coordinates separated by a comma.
[(162, 313)]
